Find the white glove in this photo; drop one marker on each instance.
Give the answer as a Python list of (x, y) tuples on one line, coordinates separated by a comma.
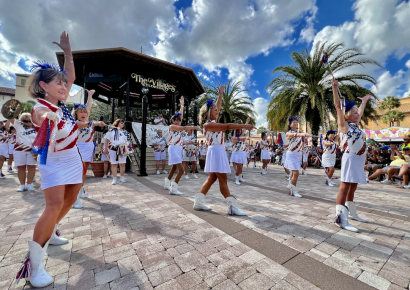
[(52, 116)]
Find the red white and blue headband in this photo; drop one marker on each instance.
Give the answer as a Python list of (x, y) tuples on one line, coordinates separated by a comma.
[(76, 106)]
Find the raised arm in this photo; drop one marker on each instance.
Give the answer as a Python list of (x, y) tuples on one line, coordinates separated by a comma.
[(181, 110), (65, 46), (216, 127), (89, 100), (294, 135), (184, 128), (341, 122), (365, 99)]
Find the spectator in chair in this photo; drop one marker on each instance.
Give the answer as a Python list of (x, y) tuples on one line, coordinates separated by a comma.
[(378, 160)]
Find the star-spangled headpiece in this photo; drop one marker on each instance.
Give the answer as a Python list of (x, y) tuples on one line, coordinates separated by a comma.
[(293, 118), (349, 105), (176, 115), (79, 106), (40, 66), (331, 132), (209, 103)]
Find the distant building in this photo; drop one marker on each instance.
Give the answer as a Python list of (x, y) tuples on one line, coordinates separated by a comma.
[(404, 108), (6, 94)]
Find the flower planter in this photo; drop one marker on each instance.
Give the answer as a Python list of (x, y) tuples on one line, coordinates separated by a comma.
[(98, 168)]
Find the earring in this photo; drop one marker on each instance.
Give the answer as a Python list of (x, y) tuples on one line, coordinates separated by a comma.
[(46, 94)]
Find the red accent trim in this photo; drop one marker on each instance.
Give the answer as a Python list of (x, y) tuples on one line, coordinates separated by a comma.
[(69, 146), (361, 151), (91, 137), (60, 125), (48, 105), (75, 127)]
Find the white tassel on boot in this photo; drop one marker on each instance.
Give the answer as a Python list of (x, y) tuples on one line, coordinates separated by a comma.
[(35, 271), (174, 189), (341, 218), (56, 238), (199, 202), (233, 206), (294, 191), (352, 210), (167, 183)]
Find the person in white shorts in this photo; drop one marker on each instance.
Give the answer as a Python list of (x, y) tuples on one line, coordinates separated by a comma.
[(115, 137), (239, 153), (12, 142), (189, 153), (105, 159), (265, 156), (329, 155), (25, 136), (159, 144)]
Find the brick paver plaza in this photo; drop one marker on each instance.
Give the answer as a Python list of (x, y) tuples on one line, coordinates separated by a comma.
[(136, 236)]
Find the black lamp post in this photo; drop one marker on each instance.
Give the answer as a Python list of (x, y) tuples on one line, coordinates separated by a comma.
[(143, 168)]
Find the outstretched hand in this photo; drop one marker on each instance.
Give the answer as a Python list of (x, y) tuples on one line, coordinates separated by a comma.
[(91, 92), (365, 98), (249, 127), (182, 100), (335, 84), (64, 43), (247, 120), (221, 89)]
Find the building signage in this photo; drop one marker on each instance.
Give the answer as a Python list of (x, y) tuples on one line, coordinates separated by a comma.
[(151, 83)]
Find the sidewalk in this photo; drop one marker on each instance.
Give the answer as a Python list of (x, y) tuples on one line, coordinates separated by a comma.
[(136, 236)]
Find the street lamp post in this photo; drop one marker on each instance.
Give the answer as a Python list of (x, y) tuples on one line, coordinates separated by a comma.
[(143, 167)]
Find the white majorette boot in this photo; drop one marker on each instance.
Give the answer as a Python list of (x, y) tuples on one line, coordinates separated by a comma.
[(289, 184), (77, 203), (82, 193), (174, 189), (263, 172), (199, 202), (241, 178), (352, 210), (293, 191), (329, 182), (233, 206), (236, 180), (167, 183), (33, 268), (341, 218), (56, 238), (289, 177)]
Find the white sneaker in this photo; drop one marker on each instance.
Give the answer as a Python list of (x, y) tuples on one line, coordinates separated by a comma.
[(78, 204), (158, 172), (29, 187), (329, 183), (194, 175), (164, 171), (21, 188), (123, 179), (105, 176), (387, 181), (114, 181), (186, 176), (82, 193)]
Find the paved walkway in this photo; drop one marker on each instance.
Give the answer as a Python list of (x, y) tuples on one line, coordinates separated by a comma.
[(136, 236)]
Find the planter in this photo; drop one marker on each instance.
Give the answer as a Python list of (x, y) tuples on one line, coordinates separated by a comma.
[(202, 163), (98, 168)]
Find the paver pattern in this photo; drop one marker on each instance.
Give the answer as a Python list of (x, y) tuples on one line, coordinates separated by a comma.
[(128, 236)]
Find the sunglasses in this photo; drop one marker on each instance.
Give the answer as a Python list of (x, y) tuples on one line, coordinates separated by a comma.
[(26, 121)]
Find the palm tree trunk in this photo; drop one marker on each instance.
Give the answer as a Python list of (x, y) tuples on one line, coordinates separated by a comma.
[(315, 127)]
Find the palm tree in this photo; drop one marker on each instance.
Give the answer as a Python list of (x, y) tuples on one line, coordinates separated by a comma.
[(304, 89), (392, 116), (236, 105), (389, 103), (261, 129)]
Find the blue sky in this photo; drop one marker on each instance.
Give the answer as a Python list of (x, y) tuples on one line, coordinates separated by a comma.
[(240, 39)]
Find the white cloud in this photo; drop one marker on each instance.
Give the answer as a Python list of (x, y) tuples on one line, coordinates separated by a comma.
[(261, 107), (307, 34), (387, 84), (380, 29), (257, 92)]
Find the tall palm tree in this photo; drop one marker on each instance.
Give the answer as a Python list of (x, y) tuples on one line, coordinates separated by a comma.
[(393, 116), (236, 105), (389, 103), (304, 89)]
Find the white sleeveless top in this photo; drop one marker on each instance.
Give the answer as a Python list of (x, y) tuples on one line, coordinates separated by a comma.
[(354, 140), (214, 138), (264, 145), (175, 137), (85, 135), (25, 136), (330, 150), (12, 139), (296, 143), (67, 129), (5, 137)]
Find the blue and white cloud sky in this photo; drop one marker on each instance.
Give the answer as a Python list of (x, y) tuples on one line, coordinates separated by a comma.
[(220, 39)]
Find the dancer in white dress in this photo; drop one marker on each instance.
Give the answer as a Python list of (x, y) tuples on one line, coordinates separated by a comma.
[(265, 156), (239, 150), (58, 161), (26, 165), (329, 155), (115, 137), (294, 155), (305, 156), (353, 144), (11, 141), (216, 163), (4, 146), (85, 142), (175, 150), (159, 144), (189, 153)]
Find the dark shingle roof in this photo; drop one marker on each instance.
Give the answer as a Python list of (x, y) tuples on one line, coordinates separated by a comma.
[(7, 91)]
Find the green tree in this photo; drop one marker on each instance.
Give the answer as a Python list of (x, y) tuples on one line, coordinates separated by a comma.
[(26, 107), (390, 103), (261, 129), (304, 89), (392, 116)]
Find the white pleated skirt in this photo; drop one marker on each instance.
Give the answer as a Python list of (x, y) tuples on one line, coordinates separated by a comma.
[(62, 168), (86, 151), (239, 157), (353, 168), (228, 155), (283, 158), (293, 160), (175, 154), (4, 150), (216, 160), (328, 160), (265, 154)]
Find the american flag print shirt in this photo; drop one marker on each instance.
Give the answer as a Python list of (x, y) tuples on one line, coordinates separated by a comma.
[(175, 137), (264, 145), (214, 138), (161, 140), (4, 136), (354, 140), (330, 150), (85, 135), (296, 143), (25, 137)]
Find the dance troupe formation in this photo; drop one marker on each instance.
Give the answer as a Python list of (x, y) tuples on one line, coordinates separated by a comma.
[(60, 144)]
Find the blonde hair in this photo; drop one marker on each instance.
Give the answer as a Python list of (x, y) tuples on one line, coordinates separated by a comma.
[(25, 116), (79, 109), (47, 75), (205, 113), (347, 115)]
